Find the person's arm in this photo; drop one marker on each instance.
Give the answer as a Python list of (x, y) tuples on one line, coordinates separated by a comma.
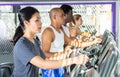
[(89, 43), (99, 36), (81, 44), (53, 64), (47, 38), (78, 31)]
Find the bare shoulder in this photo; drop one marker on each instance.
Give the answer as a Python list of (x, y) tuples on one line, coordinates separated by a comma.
[(48, 31), (48, 34)]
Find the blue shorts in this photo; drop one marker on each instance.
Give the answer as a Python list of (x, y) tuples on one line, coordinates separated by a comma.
[(53, 73)]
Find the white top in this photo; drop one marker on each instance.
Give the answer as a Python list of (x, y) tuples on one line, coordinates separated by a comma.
[(58, 44), (66, 30)]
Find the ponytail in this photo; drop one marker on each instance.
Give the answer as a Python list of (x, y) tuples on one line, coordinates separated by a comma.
[(18, 33), (24, 14)]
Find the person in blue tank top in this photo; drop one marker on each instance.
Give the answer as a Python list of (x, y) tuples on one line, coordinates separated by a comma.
[(28, 56)]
